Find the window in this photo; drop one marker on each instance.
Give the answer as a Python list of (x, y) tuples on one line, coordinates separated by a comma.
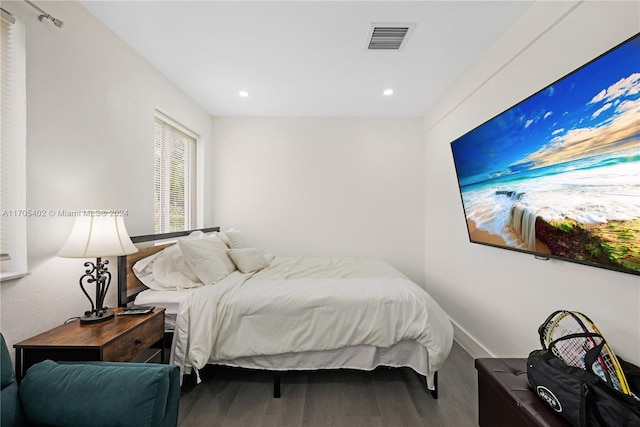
[(13, 130), (174, 176)]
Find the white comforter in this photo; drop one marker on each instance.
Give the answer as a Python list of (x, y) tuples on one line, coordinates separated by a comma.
[(296, 305)]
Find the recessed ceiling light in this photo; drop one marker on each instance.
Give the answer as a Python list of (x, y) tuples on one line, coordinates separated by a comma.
[(243, 93), (388, 92)]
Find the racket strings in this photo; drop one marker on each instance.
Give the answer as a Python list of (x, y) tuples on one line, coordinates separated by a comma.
[(574, 350)]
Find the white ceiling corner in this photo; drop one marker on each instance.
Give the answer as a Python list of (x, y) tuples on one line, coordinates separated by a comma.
[(306, 58)]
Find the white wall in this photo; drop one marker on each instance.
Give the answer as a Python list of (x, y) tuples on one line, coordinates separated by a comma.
[(90, 124), (497, 298), (307, 186), (324, 187)]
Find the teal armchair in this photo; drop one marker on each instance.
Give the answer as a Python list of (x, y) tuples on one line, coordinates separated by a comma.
[(105, 394)]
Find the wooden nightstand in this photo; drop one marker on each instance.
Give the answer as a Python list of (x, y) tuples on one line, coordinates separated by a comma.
[(121, 339)]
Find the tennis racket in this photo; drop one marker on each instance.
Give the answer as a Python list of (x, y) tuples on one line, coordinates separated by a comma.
[(609, 358), (573, 337)]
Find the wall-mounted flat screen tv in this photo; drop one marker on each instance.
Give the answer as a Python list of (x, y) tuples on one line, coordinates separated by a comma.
[(558, 174)]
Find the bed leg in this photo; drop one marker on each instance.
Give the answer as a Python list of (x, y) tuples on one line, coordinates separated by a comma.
[(434, 392), (276, 384)]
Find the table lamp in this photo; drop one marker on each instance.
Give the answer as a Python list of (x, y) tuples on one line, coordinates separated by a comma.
[(97, 236)]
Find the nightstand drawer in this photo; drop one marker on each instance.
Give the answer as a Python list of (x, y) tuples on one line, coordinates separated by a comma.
[(134, 342)]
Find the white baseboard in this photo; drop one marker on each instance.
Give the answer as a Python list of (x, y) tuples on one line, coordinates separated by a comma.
[(466, 341)]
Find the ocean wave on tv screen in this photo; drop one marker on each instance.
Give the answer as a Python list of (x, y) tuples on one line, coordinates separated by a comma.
[(589, 191)]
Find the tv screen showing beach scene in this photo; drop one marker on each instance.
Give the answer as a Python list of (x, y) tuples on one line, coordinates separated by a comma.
[(558, 174)]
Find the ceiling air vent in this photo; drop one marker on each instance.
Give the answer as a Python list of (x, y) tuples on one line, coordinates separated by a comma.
[(388, 36)]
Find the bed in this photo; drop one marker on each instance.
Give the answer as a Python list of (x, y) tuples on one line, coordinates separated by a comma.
[(293, 313)]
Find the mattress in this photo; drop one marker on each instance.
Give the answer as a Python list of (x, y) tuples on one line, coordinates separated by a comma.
[(169, 300)]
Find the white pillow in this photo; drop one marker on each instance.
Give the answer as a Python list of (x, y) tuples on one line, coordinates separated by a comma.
[(170, 260), (207, 258), (235, 239), (143, 270), (221, 250), (194, 235), (248, 260), (171, 272)]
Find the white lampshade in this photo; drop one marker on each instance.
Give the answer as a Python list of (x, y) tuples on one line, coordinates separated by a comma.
[(98, 236)]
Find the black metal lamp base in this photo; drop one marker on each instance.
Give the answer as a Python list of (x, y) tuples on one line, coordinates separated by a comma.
[(96, 273), (96, 317)]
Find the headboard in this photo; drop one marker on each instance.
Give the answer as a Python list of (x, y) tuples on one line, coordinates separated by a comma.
[(128, 284)]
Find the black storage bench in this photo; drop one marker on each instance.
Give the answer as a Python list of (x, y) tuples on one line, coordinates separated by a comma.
[(505, 398)]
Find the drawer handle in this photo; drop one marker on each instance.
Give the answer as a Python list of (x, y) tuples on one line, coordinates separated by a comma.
[(137, 341)]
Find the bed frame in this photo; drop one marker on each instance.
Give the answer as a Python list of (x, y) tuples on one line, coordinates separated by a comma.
[(129, 286)]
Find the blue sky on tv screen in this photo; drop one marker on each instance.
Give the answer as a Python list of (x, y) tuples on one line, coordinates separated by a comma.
[(582, 115)]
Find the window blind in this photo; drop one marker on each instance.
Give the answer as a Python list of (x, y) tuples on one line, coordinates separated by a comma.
[(13, 238), (5, 127), (174, 176)]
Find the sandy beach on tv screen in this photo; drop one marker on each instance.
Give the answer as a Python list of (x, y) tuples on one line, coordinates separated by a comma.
[(483, 236)]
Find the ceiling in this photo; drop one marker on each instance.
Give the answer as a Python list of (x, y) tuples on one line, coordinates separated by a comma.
[(308, 58)]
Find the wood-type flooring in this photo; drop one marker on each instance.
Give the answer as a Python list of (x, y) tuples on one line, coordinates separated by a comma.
[(391, 397)]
